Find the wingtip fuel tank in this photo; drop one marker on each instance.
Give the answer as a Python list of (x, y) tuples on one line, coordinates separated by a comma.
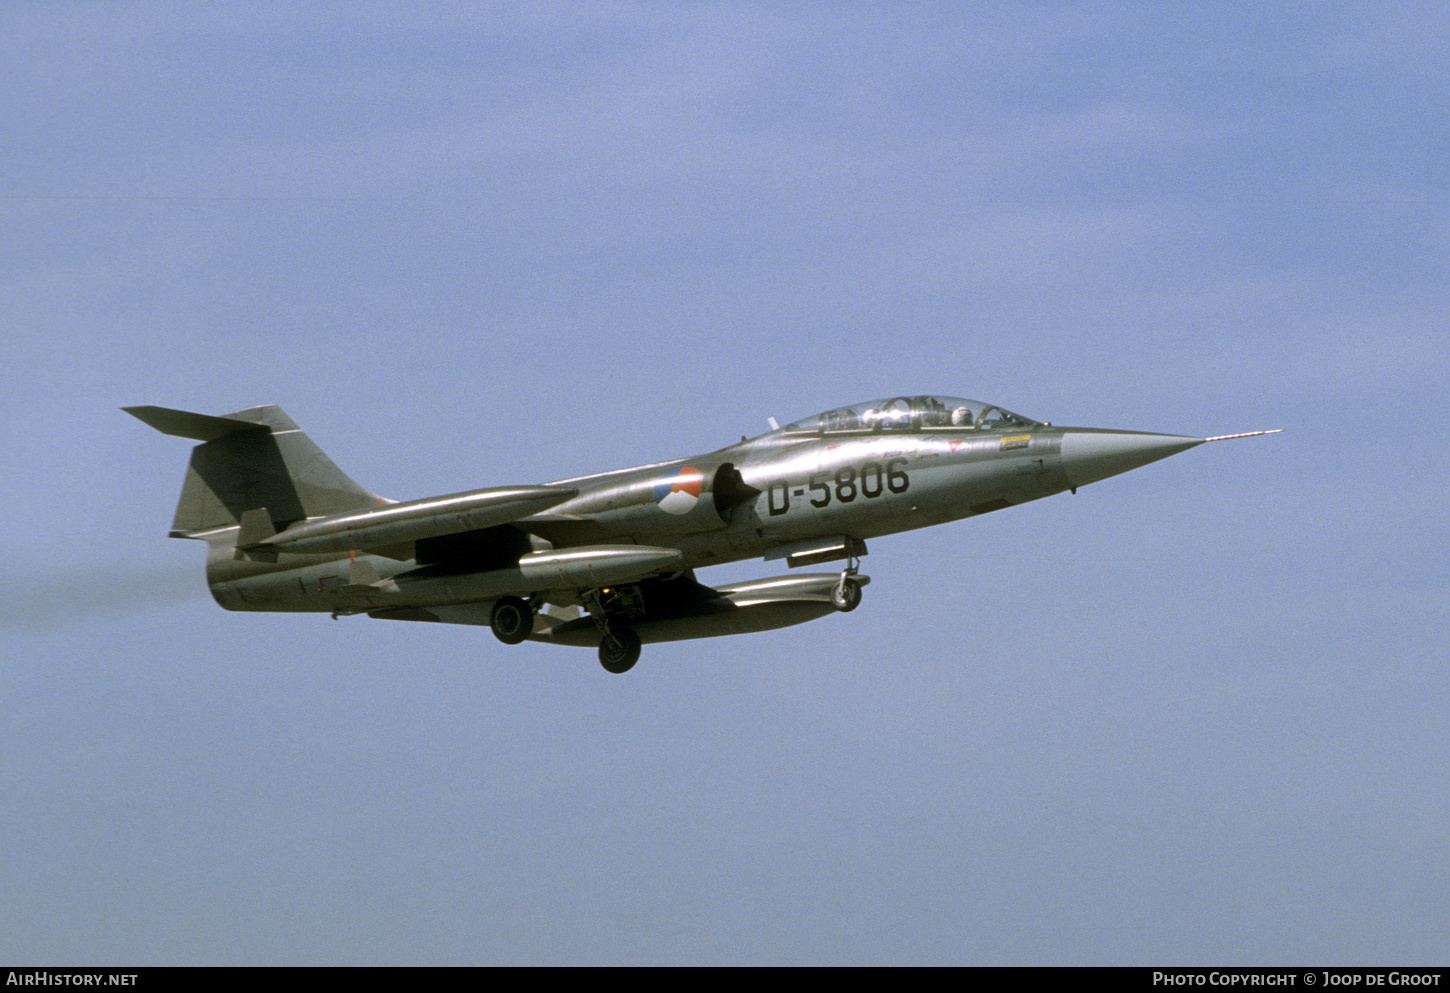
[(402, 523)]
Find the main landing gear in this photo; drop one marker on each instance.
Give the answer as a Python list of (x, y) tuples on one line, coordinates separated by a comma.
[(619, 650), (619, 646), (512, 620)]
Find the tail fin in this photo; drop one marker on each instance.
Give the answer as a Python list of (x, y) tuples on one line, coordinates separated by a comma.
[(249, 460)]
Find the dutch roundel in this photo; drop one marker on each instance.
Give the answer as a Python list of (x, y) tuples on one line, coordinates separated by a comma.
[(678, 494)]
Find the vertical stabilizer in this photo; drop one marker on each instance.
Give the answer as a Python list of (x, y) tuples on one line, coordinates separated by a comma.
[(251, 460)]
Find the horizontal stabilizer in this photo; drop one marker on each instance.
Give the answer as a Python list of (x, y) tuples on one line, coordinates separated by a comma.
[(184, 424), (254, 462)]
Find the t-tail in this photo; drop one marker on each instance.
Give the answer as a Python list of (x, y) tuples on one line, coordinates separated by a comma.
[(255, 469)]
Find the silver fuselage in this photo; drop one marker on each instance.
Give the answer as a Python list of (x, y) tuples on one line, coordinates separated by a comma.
[(793, 489)]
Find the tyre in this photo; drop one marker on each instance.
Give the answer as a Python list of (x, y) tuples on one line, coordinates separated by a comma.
[(846, 595), (619, 651), (512, 620)]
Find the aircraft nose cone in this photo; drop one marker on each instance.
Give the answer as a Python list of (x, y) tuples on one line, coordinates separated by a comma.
[(1092, 454)]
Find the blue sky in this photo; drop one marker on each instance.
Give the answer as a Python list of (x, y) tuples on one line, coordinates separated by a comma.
[(1196, 713)]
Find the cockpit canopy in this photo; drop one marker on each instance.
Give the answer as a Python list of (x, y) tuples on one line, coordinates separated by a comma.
[(912, 414)]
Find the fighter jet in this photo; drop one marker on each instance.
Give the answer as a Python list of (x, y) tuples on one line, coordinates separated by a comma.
[(608, 561)]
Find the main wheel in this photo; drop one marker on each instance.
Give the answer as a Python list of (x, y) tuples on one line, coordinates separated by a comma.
[(846, 595), (512, 620), (619, 650)]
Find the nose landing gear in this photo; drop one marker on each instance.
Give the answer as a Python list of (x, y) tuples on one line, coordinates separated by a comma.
[(846, 594)]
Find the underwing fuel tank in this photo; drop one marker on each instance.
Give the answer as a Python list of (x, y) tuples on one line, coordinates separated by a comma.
[(738, 608), (570, 568), (595, 565)]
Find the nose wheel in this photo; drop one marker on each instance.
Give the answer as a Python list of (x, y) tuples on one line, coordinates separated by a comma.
[(846, 594)]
